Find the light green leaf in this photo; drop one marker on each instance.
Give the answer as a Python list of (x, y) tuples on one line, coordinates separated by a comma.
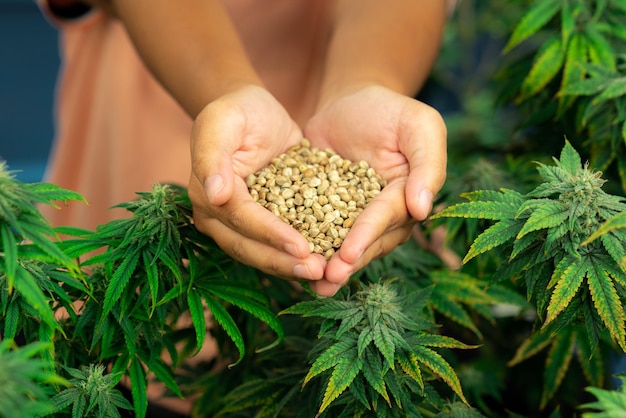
[(567, 286), (343, 374), (599, 49), (412, 369), (493, 236), (573, 71), (330, 357), (547, 63), (570, 159), (557, 363), (586, 87), (479, 210), (551, 213), (439, 367), (616, 88), (607, 303), (536, 18)]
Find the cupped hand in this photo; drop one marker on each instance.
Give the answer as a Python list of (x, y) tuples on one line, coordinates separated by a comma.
[(404, 140), (233, 137)]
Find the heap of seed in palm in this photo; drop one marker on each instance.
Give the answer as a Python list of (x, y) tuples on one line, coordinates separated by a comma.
[(317, 192)]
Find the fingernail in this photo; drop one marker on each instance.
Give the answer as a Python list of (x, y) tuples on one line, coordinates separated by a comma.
[(425, 202), (302, 271), (213, 185)]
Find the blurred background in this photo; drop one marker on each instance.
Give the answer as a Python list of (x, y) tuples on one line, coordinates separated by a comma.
[(29, 62)]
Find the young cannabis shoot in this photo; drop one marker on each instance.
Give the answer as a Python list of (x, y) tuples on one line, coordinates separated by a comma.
[(376, 339)]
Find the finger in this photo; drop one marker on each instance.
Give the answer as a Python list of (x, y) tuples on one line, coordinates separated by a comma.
[(386, 211), (243, 214), (216, 134), (266, 258), (423, 142), (338, 271)]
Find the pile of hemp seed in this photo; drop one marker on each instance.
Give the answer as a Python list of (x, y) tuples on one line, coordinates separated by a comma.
[(317, 192)]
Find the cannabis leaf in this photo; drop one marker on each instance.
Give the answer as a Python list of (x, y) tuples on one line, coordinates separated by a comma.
[(374, 337), (609, 403), (550, 235)]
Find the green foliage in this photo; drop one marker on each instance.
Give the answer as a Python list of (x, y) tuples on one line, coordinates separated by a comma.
[(24, 379), (575, 283), (609, 403), (576, 76), (92, 394), (375, 338)]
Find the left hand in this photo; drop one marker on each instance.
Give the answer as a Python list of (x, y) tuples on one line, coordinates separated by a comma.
[(404, 140)]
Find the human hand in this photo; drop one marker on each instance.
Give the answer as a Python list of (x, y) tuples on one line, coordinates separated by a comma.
[(233, 137), (404, 140)]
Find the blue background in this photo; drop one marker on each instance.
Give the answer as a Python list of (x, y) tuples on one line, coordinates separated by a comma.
[(29, 62)]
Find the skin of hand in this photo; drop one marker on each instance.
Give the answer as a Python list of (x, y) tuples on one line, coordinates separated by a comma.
[(232, 137), (404, 140)]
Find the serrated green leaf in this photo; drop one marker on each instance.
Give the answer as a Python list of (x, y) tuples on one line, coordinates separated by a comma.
[(616, 222), (366, 336), (493, 236), (9, 248), (120, 280), (223, 318), (570, 159), (534, 19), (196, 310), (494, 211), (350, 320), (163, 373), (412, 369), (253, 307), (374, 373), (138, 388), (567, 286), (330, 357), (607, 303), (557, 364), (440, 367), (342, 376), (384, 341), (547, 64), (550, 214), (454, 311), (28, 288)]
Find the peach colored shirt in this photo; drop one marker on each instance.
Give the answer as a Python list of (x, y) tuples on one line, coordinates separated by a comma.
[(118, 131)]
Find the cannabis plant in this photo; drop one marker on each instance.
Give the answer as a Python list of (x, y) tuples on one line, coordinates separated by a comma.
[(545, 241), (25, 378)]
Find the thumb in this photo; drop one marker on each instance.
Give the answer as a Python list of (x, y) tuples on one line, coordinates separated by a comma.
[(427, 155), (214, 139)]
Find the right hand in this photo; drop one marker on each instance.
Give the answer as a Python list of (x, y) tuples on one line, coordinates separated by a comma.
[(232, 137)]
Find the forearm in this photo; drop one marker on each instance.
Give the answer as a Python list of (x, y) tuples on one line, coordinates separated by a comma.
[(190, 46), (392, 44)]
